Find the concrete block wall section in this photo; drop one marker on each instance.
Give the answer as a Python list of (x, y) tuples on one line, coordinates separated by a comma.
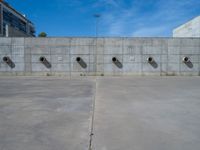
[(12, 48), (96, 56)]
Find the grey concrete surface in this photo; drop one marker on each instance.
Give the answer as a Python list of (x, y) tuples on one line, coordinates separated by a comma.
[(45, 113), (97, 54), (130, 113), (147, 113)]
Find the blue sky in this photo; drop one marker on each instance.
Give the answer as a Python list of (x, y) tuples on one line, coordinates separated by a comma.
[(138, 18)]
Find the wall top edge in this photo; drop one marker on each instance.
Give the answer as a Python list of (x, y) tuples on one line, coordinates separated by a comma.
[(77, 37)]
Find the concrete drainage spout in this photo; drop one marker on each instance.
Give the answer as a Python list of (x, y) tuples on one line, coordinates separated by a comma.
[(81, 62), (152, 62), (117, 62), (43, 59), (45, 62), (79, 59), (8, 61), (150, 59), (186, 59)]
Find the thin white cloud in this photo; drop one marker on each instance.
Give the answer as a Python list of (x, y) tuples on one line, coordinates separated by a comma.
[(112, 3), (149, 31), (136, 17), (142, 18)]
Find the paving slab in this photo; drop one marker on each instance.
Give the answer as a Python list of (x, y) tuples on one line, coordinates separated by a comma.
[(147, 113), (45, 113)]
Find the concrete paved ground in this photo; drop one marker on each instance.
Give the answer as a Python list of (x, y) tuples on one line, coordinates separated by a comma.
[(147, 113), (45, 114), (130, 113)]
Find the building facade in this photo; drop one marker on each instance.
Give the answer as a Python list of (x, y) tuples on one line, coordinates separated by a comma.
[(189, 29), (13, 23)]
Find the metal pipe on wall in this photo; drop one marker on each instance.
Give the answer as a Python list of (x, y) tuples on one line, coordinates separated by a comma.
[(8, 61), (150, 59), (114, 59), (117, 62), (44, 61), (186, 59), (78, 59), (81, 62)]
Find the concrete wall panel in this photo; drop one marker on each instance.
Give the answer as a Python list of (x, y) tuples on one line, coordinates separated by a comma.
[(42, 50), (132, 68), (133, 50), (190, 50), (86, 50), (60, 59), (60, 50), (17, 41), (5, 49), (132, 58), (173, 69), (112, 69), (152, 50), (61, 67), (113, 50), (39, 67), (5, 41)]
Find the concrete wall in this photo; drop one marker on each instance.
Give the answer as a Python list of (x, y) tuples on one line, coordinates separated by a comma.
[(97, 54), (189, 29)]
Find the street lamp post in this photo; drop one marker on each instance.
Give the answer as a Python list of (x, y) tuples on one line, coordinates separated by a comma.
[(97, 16)]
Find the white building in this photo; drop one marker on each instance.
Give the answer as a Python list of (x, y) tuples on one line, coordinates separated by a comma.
[(189, 29)]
